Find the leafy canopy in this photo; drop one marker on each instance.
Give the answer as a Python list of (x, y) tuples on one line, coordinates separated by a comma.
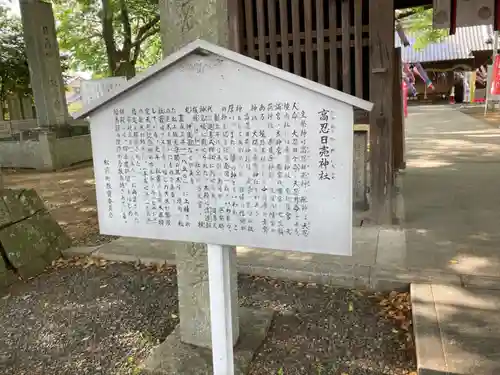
[(109, 37), (14, 72), (418, 22)]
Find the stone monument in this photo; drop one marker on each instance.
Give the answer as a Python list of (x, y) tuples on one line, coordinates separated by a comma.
[(181, 23), (44, 63), (185, 21)]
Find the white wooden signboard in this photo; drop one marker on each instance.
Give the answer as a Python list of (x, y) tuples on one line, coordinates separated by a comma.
[(214, 151), (214, 147), (96, 88)]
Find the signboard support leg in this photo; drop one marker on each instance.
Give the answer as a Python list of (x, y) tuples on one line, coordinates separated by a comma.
[(219, 277)]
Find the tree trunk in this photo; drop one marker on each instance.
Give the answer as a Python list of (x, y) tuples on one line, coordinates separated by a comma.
[(124, 69), (2, 104), (108, 34), (2, 98)]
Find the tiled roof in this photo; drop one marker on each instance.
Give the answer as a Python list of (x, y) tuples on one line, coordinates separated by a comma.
[(453, 47)]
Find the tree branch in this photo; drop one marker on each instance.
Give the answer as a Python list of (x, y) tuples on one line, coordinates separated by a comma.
[(411, 11), (151, 32), (108, 34), (143, 34), (127, 30), (137, 43), (137, 51)]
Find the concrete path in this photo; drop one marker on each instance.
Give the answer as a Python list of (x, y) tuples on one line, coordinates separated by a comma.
[(457, 330), (451, 190), (452, 201), (371, 246)]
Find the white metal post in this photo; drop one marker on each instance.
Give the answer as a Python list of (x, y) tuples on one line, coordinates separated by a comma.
[(219, 273)]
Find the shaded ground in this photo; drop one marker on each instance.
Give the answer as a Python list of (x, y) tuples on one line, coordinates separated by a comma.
[(105, 320), (85, 320), (491, 118), (324, 330), (70, 197), (450, 189)]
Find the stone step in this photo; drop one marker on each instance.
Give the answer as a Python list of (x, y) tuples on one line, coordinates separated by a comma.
[(457, 330)]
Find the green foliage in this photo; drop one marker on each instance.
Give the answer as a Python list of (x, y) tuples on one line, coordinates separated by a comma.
[(78, 32), (418, 22), (75, 107), (109, 37), (151, 53), (14, 72)]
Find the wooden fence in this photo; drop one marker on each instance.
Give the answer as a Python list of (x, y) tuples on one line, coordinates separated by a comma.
[(19, 107), (323, 40), (345, 44)]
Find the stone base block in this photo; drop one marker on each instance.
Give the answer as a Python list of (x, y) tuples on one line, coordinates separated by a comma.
[(173, 357), (30, 239)]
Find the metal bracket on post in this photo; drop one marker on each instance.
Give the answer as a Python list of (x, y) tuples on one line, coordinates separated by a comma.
[(219, 279)]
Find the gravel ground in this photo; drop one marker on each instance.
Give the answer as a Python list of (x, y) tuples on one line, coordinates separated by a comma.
[(322, 330), (85, 319)]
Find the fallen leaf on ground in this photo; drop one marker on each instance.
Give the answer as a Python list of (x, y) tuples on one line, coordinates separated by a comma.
[(396, 306)]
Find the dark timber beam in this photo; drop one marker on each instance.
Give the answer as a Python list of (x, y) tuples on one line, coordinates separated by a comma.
[(381, 23), (402, 4)]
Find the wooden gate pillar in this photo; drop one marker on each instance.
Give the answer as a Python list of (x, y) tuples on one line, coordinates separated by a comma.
[(381, 21)]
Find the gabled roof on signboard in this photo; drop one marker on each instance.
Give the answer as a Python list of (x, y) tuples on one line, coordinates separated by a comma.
[(204, 47)]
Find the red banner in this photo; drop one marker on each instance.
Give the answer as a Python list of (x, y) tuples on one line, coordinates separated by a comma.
[(404, 88), (495, 77)]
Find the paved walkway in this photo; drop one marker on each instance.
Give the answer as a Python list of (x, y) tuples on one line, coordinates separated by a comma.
[(457, 330), (451, 190)]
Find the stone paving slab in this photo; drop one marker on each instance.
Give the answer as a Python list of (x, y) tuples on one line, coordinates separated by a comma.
[(137, 249), (389, 277), (457, 330), (378, 262)]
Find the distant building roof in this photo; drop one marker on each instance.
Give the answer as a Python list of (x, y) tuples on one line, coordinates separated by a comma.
[(71, 98), (74, 80), (454, 47)]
